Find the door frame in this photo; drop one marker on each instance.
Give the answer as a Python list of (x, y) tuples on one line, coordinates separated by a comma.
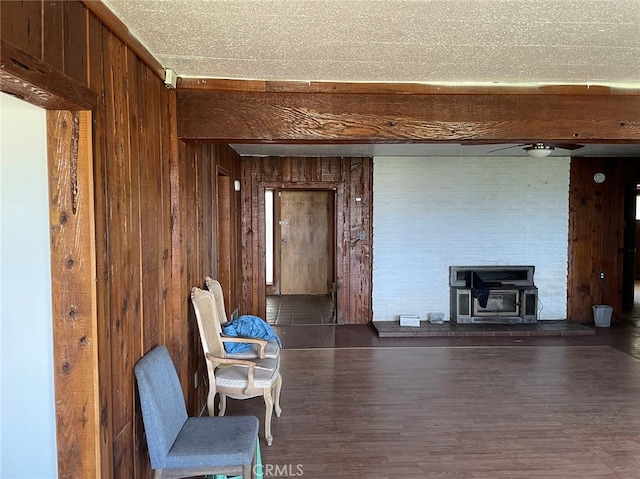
[(338, 232)]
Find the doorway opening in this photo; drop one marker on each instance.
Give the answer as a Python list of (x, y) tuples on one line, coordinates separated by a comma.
[(631, 261), (300, 256)]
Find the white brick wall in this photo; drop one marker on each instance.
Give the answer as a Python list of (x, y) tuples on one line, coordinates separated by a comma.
[(432, 213)]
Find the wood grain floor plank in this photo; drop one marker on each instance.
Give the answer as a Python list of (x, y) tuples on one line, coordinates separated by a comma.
[(468, 412)]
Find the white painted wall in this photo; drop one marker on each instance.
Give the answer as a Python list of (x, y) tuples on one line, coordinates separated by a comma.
[(27, 406), (432, 213)]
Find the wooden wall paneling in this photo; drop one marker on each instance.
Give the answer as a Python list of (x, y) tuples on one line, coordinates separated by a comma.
[(152, 226), (612, 235), (259, 257), (256, 210), (360, 232), (272, 169), (236, 237), (177, 333), (53, 34), (155, 221), (123, 262), (249, 169), (595, 236), (120, 30), (146, 328), (331, 169), (191, 227), (135, 154), (201, 208), (74, 300), (210, 233), (578, 246), (225, 225), (353, 260), (222, 235), (80, 65), (343, 248), (123, 459), (582, 222), (75, 41), (230, 161), (103, 285), (201, 265), (315, 170), (300, 169), (165, 126), (596, 224), (22, 22)]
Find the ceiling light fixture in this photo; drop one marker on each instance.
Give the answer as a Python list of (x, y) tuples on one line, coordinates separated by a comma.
[(539, 150)]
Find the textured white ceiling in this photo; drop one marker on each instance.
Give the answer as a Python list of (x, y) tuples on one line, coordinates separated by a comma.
[(458, 42), (427, 41)]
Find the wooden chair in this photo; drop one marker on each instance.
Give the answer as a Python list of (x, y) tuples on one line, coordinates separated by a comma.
[(271, 349), (232, 377), (182, 446)]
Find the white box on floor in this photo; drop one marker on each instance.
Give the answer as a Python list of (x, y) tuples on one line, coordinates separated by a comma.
[(410, 320)]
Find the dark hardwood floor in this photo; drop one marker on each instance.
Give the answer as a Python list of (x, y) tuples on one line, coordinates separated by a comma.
[(359, 406)]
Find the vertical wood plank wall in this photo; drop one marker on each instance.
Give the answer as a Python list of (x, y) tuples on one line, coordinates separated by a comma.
[(146, 185), (596, 225), (352, 178), (198, 212)]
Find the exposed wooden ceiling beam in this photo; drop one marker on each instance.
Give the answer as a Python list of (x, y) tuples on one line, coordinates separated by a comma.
[(256, 116), (28, 78)]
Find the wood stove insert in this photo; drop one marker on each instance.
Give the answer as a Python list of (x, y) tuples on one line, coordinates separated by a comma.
[(493, 294)]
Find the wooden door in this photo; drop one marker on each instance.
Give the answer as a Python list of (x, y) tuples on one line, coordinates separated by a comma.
[(305, 247)]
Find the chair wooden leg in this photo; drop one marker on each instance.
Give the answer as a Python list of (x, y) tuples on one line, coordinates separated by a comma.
[(276, 395), (211, 409), (222, 408), (268, 404)]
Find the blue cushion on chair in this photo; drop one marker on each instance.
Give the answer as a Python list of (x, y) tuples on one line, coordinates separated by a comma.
[(196, 446)]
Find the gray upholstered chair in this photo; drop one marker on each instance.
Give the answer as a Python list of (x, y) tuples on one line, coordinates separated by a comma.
[(231, 377), (271, 347), (182, 446)]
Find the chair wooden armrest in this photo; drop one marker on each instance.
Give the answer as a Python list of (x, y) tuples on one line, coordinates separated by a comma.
[(236, 362), (237, 339)]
